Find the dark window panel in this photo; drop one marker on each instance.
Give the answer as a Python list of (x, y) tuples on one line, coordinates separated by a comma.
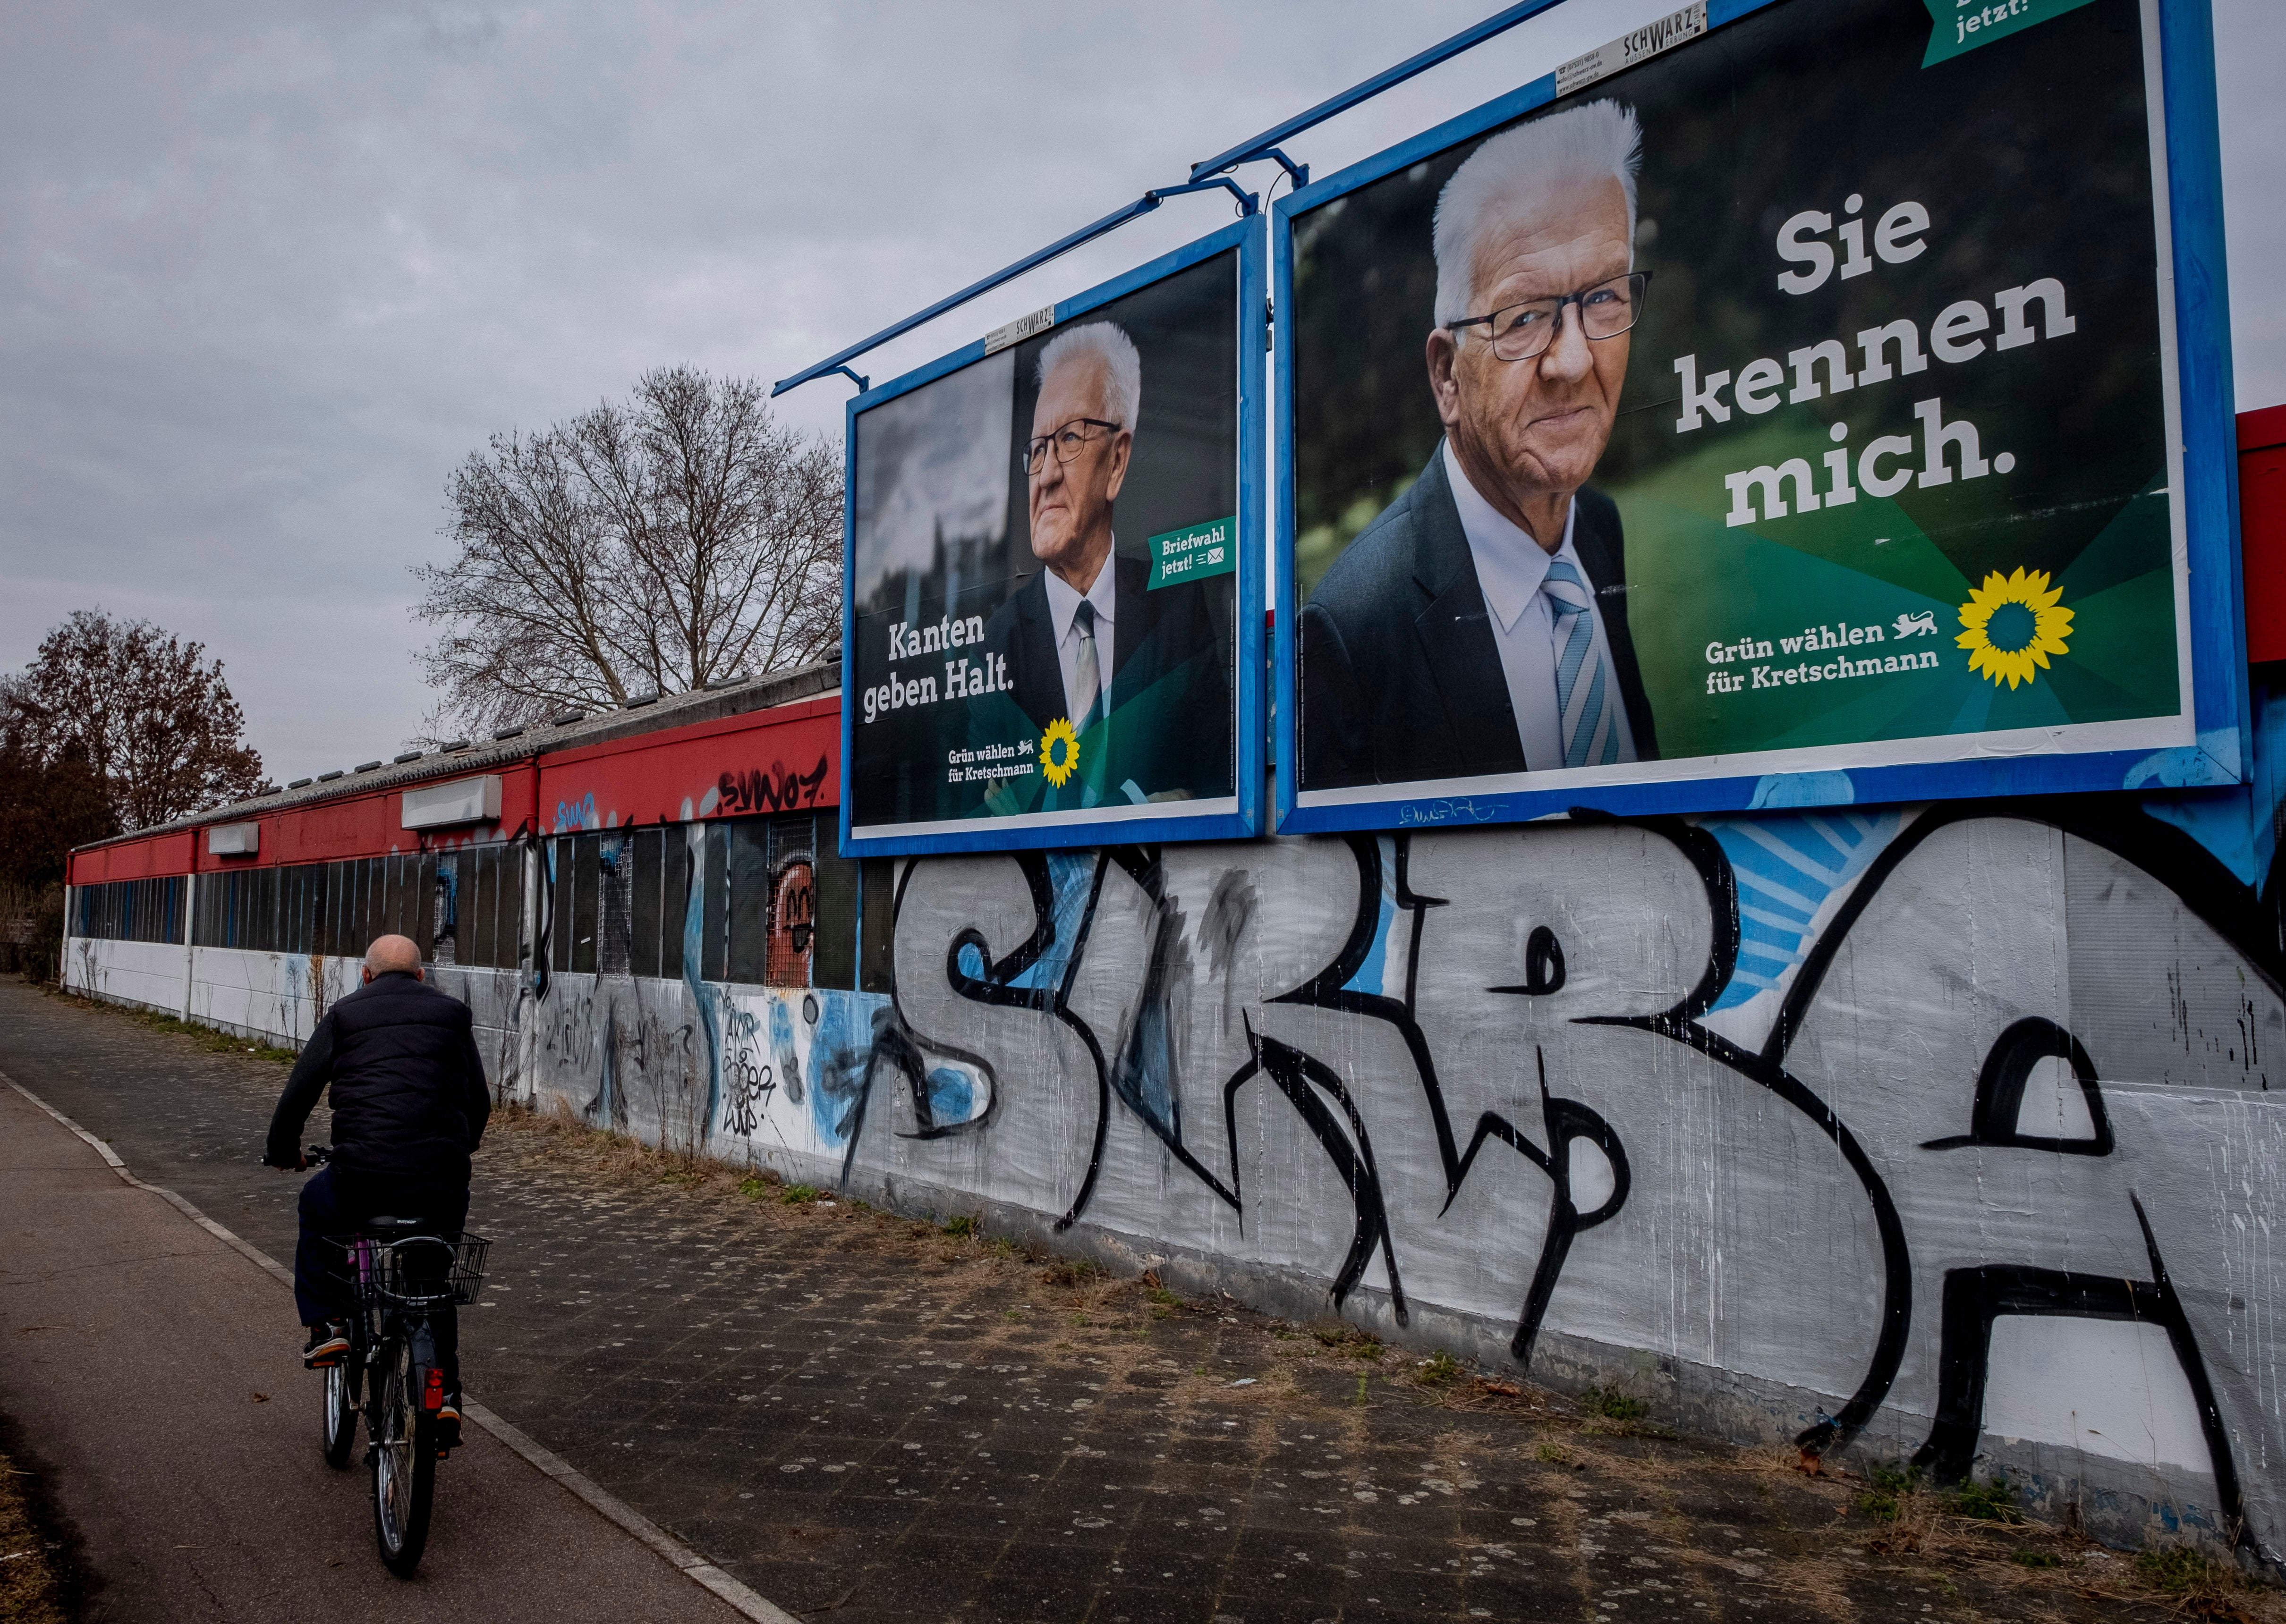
[(479, 911), (451, 906), (389, 885), (749, 899), (834, 959), (675, 864), (615, 902), (877, 925), (584, 877), (511, 930), (647, 850), (714, 904), (559, 887)]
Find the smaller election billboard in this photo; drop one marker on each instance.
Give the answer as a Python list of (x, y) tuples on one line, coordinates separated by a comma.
[(1791, 411), (1052, 583)]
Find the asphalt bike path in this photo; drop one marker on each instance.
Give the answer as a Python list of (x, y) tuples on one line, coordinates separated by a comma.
[(146, 1361)]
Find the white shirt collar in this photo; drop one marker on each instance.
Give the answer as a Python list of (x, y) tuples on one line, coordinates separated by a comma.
[(1063, 600), (1510, 565)]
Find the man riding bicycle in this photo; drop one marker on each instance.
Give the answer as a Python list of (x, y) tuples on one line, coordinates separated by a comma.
[(410, 1101)]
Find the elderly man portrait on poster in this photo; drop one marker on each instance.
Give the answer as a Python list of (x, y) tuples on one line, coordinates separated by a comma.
[(1138, 677), (1478, 625)]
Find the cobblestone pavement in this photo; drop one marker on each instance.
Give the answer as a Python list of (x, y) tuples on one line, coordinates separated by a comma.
[(868, 1419)]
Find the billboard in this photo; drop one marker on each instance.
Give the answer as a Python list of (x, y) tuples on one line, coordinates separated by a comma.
[(1785, 413), (1053, 614)]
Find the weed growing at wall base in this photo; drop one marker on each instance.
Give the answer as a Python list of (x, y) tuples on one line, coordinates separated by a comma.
[(2204, 1585), (1439, 1368), (1891, 1488), (1985, 1502), (1612, 1405)]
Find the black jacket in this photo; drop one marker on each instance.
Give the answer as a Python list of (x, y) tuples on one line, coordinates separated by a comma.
[(1153, 636), (1400, 678), (410, 1097)]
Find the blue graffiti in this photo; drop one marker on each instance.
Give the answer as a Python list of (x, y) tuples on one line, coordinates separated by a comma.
[(1786, 867), (574, 815)]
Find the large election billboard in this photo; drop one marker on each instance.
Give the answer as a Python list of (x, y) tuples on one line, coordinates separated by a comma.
[(1786, 412), (1053, 545)]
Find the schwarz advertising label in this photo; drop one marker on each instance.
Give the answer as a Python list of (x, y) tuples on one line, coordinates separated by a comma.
[(1792, 400), (1044, 540)]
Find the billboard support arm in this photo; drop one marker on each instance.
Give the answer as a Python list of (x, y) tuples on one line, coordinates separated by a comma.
[(1298, 173), (1266, 144), (1248, 203)]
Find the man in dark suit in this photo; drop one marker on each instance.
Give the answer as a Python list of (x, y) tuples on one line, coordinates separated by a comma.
[(1085, 640), (1478, 625)]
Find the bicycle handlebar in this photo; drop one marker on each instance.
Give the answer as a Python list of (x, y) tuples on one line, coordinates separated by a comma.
[(312, 1155)]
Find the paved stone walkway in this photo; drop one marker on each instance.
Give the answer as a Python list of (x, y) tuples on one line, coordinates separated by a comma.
[(866, 1419)]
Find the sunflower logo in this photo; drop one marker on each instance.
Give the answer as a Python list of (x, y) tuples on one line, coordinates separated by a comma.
[(1059, 752), (2012, 624)]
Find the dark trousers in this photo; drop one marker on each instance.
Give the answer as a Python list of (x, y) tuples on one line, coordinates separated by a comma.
[(335, 1202)]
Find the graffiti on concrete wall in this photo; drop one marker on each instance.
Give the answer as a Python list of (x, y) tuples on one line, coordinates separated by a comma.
[(1949, 1126)]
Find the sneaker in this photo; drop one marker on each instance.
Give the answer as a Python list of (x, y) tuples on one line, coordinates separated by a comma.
[(329, 1344), (448, 1423)]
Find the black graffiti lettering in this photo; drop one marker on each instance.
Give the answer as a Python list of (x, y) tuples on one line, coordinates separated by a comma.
[(1996, 1117), (776, 788), (1543, 964), (1973, 1297), (1301, 1078)]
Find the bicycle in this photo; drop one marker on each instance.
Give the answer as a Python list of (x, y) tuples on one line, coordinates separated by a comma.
[(391, 1376)]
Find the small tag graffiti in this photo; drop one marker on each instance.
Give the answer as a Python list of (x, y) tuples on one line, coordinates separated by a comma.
[(748, 1081), (776, 787)]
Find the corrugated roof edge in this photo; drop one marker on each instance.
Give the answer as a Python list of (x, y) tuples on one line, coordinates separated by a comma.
[(674, 710)]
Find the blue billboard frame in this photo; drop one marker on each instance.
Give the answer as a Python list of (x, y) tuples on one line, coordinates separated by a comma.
[(2219, 702), (1248, 733)]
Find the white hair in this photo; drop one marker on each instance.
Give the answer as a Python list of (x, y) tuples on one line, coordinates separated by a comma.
[(1107, 343), (1518, 170)]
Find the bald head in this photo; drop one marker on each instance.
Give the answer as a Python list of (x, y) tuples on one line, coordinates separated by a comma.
[(392, 954)]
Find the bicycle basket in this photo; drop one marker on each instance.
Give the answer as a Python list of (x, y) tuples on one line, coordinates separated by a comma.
[(419, 1270)]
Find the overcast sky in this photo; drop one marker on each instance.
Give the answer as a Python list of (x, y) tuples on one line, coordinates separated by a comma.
[(268, 272)]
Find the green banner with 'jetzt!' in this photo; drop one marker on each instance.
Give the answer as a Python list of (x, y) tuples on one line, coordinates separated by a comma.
[(1194, 553), (1964, 24)]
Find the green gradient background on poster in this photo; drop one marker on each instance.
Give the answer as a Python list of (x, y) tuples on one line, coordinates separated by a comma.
[(1693, 580)]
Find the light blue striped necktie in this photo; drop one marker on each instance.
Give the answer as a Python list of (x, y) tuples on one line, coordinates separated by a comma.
[(1580, 705)]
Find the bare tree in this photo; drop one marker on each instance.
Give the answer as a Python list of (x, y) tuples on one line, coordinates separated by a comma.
[(141, 710), (653, 545)]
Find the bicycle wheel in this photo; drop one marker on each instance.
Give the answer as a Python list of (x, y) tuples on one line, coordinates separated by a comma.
[(340, 1411), (404, 1463)]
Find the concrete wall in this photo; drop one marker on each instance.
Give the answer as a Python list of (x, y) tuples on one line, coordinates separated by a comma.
[(1944, 1133)]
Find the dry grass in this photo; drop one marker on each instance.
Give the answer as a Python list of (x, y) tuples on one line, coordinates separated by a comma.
[(31, 1585)]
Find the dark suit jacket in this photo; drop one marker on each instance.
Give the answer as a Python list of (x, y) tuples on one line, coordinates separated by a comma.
[(1400, 678), (1153, 635)]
